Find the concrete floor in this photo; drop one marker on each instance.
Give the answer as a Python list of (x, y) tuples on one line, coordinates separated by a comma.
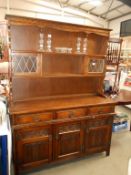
[(98, 164)]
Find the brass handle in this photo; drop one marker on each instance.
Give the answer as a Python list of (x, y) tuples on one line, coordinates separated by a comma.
[(99, 112), (87, 131), (71, 114), (37, 119)]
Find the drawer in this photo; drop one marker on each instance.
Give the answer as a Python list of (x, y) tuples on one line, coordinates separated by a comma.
[(32, 118), (100, 109), (100, 121), (71, 113)]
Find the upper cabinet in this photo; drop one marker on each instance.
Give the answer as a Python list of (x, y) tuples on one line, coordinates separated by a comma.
[(56, 55)]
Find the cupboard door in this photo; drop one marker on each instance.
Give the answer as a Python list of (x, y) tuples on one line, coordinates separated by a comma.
[(33, 146), (98, 135), (68, 140)]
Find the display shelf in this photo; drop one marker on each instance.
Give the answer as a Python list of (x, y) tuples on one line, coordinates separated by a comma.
[(61, 53), (60, 75)]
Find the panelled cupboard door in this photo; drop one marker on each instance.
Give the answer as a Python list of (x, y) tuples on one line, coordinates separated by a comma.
[(98, 134), (68, 140), (33, 146)]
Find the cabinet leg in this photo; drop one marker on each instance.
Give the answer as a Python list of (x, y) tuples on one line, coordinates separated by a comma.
[(108, 152), (16, 171)]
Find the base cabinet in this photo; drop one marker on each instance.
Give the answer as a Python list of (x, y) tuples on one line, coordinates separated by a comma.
[(60, 140)]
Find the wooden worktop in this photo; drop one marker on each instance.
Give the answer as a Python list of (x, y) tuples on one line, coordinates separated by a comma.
[(59, 103), (40, 105)]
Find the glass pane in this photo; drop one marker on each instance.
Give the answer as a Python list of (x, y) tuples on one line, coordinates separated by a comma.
[(96, 65), (24, 64)]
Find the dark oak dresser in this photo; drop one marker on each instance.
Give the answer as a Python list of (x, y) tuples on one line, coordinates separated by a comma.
[(57, 107)]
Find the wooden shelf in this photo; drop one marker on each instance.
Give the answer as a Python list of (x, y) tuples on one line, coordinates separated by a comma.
[(60, 75), (72, 75), (59, 53), (57, 103), (62, 53)]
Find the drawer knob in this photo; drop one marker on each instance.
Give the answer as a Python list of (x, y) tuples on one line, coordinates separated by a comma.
[(71, 114), (87, 131), (37, 119), (100, 111)]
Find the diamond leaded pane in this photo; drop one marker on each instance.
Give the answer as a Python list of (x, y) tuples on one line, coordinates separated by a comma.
[(24, 64), (96, 65)]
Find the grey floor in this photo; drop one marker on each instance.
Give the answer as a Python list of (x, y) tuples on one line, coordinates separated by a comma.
[(98, 164)]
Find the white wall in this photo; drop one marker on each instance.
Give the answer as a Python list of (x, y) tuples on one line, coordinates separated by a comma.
[(115, 25), (42, 9)]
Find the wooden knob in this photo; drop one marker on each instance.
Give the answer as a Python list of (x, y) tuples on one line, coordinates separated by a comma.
[(71, 114)]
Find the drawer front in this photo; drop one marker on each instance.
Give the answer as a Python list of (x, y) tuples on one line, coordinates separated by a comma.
[(71, 113), (100, 109), (97, 121), (32, 118)]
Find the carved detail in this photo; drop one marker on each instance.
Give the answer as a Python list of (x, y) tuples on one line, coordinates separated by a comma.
[(99, 123), (34, 155), (31, 134), (69, 128)]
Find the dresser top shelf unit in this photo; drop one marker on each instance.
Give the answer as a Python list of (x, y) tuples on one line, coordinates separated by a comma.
[(58, 59)]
